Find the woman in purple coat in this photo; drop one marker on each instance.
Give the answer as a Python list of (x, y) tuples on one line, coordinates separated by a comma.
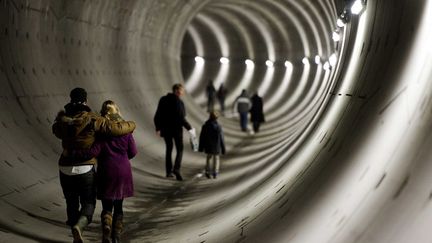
[(114, 176)]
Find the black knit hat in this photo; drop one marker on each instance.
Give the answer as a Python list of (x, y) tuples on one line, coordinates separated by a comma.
[(78, 95)]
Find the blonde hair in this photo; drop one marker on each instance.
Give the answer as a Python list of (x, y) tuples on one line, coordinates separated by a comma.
[(109, 108), (177, 87)]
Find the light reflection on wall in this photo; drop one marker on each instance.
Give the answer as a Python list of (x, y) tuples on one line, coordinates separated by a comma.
[(282, 89), (196, 75), (192, 81), (268, 78), (244, 81)]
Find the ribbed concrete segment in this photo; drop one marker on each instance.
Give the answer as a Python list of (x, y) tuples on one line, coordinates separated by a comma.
[(343, 157)]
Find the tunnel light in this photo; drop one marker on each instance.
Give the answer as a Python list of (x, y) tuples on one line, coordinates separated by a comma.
[(269, 63), (333, 59), (340, 23), (224, 60), (249, 63), (343, 18), (326, 66), (288, 64), (199, 60), (317, 59), (335, 36), (305, 61), (358, 7)]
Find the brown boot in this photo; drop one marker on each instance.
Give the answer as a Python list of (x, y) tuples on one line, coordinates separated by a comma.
[(117, 228), (106, 220)]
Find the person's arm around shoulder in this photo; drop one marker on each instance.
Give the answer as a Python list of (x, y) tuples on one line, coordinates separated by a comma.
[(113, 128), (57, 128)]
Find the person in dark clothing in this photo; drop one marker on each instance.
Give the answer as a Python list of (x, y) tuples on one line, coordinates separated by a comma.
[(169, 120), (78, 127), (211, 96), (243, 105), (221, 94), (212, 143), (256, 111)]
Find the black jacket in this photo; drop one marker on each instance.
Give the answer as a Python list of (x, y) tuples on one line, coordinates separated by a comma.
[(211, 138), (256, 110), (170, 116)]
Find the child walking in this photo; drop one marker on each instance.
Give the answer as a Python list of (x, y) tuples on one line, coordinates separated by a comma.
[(212, 143)]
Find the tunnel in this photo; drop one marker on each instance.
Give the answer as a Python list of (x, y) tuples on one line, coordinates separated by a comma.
[(344, 153)]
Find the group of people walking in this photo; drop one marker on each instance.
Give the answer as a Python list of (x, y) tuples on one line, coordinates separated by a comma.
[(97, 149), (243, 104), (254, 106), (213, 95)]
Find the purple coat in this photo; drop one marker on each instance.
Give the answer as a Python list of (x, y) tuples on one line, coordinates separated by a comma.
[(114, 169), (114, 172)]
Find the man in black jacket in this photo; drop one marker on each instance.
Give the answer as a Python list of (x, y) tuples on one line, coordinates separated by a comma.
[(169, 120)]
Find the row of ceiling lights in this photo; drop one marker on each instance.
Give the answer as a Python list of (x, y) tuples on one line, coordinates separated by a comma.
[(250, 64), (355, 7)]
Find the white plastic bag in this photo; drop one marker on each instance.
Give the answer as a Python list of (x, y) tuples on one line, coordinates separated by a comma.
[(193, 140)]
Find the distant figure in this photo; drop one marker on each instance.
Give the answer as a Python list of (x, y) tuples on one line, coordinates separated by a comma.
[(243, 105), (221, 94), (169, 120), (257, 114), (212, 143), (211, 96), (78, 127)]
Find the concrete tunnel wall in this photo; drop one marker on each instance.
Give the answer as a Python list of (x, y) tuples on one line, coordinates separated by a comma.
[(348, 162)]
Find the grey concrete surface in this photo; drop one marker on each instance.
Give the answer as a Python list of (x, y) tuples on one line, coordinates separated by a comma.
[(343, 157)]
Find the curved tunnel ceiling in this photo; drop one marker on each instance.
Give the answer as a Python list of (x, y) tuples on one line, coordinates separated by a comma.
[(343, 157)]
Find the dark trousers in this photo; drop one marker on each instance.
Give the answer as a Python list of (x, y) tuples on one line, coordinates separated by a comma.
[(256, 126), (222, 104), (109, 204), (79, 189), (243, 120), (210, 104), (178, 141)]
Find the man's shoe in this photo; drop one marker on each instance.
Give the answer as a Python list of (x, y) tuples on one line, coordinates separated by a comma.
[(78, 229), (215, 175), (207, 175), (178, 176), (169, 175)]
